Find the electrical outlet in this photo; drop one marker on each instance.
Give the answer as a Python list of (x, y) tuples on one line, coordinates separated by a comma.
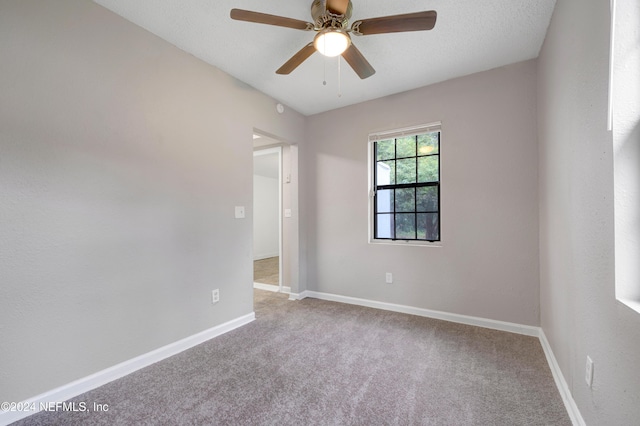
[(588, 375), (215, 296), (389, 277)]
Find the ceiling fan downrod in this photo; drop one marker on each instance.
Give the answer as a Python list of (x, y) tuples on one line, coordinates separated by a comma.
[(331, 14)]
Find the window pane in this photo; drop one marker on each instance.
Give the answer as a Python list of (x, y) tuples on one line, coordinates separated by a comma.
[(406, 226), (427, 199), (428, 169), (385, 150), (406, 200), (384, 200), (428, 226), (385, 172), (428, 144), (406, 147), (406, 170), (384, 226)]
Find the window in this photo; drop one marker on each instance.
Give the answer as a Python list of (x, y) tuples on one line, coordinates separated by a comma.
[(405, 179), (625, 117)]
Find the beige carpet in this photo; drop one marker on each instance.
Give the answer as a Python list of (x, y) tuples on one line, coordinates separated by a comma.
[(314, 362), (265, 271)]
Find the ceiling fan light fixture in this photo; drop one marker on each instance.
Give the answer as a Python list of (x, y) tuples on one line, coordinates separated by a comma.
[(332, 42)]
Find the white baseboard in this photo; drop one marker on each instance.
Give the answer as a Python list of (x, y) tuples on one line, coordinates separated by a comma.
[(527, 330), (271, 287), (561, 383), (80, 386), (265, 256), (103, 377), (298, 296), (267, 287)]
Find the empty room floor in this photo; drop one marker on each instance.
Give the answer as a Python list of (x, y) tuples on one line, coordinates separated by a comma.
[(319, 362)]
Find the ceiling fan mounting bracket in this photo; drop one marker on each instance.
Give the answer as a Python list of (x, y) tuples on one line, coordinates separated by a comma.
[(330, 20)]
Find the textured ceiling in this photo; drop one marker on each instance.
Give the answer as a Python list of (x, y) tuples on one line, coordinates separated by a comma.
[(469, 36)]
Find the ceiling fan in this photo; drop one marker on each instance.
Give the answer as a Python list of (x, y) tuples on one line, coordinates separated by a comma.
[(333, 38)]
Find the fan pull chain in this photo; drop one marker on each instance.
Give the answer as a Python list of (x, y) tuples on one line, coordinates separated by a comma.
[(324, 72), (339, 79), (324, 64)]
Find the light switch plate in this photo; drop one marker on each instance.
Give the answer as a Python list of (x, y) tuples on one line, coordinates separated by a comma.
[(588, 376), (239, 212)]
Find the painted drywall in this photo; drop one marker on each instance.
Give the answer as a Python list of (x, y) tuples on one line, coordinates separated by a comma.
[(579, 312), (266, 206), (121, 161), (488, 263)]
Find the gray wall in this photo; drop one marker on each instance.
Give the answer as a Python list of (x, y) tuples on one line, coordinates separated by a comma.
[(488, 263), (121, 161), (579, 313)]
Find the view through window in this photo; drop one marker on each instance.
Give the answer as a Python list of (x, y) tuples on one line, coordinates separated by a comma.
[(406, 185)]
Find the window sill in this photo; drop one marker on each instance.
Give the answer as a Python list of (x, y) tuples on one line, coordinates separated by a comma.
[(631, 304), (406, 243)]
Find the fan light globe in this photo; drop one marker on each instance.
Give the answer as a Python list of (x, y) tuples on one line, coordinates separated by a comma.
[(331, 42)]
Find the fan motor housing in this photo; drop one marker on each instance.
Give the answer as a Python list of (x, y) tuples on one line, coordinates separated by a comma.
[(322, 18)]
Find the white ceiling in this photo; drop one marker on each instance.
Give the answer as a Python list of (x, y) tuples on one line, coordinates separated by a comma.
[(469, 36)]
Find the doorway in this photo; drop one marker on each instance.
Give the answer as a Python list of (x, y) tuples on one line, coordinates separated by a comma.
[(267, 219)]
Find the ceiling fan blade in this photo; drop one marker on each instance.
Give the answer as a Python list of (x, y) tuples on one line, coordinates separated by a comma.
[(358, 62), (263, 18), (339, 7), (297, 59), (419, 21)]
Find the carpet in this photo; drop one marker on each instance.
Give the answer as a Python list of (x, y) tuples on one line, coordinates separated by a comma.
[(265, 271), (314, 362)]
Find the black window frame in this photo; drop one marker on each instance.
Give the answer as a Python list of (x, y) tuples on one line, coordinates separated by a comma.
[(398, 186)]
